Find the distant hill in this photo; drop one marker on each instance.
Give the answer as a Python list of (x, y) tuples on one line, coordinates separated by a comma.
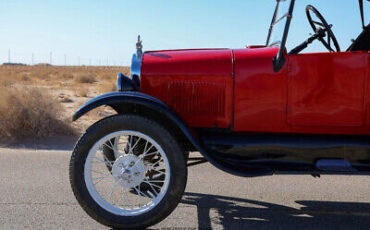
[(43, 64), (11, 63)]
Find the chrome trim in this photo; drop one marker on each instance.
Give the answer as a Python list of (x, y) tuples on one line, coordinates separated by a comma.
[(139, 47), (135, 66), (137, 58)]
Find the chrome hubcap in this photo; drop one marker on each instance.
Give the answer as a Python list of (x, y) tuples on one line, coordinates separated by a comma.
[(128, 171)]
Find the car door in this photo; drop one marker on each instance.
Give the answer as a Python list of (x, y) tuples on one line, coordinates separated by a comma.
[(327, 89)]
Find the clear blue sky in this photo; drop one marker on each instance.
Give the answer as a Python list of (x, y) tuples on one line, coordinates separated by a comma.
[(107, 29)]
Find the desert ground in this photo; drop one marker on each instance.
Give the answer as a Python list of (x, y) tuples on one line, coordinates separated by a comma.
[(37, 137), (35, 99)]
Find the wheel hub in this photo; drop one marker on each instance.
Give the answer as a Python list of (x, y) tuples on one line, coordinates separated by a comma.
[(128, 171)]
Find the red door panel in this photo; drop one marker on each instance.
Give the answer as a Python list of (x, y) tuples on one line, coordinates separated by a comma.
[(327, 89), (367, 97), (260, 92)]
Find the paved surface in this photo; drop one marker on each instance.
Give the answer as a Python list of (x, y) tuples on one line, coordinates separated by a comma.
[(35, 194)]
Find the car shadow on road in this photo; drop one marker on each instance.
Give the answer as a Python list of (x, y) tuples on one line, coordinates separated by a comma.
[(237, 213)]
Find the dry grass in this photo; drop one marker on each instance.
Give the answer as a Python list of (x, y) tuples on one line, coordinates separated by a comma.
[(5, 82), (108, 77), (66, 76), (30, 113), (85, 78), (108, 87), (60, 90), (65, 99), (46, 74), (25, 77), (81, 91)]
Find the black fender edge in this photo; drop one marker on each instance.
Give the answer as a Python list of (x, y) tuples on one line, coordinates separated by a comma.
[(136, 98)]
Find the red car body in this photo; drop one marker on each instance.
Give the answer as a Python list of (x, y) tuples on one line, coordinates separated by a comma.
[(254, 111), (259, 110), (197, 84), (317, 93)]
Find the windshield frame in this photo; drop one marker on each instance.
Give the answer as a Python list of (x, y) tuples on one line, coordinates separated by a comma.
[(362, 12), (279, 59)]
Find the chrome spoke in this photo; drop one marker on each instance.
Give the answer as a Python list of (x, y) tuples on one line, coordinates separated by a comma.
[(109, 146), (155, 176), (150, 184), (124, 197), (100, 179), (106, 162), (112, 190), (146, 144), (140, 192), (133, 147), (151, 194), (98, 172), (155, 192), (150, 154), (115, 147), (129, 143), (143, 155), (158, 172), (156, 181), (146, 152), (155, 164)]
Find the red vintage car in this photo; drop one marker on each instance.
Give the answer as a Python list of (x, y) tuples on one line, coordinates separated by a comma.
[(250, 112)]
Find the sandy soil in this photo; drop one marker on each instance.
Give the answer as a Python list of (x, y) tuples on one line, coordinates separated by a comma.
[(70, 85)]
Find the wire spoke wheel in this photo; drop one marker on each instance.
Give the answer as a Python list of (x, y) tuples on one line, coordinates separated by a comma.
[(133, 180), (128, 172)]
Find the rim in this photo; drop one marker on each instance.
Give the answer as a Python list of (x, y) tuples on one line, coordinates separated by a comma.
[(127, 173)]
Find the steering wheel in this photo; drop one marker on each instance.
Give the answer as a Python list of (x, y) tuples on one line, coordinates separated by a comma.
[(323, 25)]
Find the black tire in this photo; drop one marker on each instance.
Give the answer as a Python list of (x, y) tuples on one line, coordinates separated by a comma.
[(177, 164)]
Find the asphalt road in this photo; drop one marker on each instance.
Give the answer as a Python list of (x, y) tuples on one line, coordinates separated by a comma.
[(35, 194)]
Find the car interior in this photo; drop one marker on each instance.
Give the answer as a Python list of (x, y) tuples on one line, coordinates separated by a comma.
[(362, 43), (323, 32)]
